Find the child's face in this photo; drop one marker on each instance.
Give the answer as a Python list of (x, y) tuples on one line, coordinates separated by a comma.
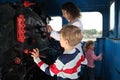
[(62, 41), (92, 46)]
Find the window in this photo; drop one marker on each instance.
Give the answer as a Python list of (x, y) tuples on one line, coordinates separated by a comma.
[(92, 25), (112, 16)]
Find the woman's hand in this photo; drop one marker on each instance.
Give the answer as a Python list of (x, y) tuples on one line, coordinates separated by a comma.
[(49, 28)]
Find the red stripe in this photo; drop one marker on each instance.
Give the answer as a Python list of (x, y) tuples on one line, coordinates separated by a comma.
[(74, 69), (40, 63), (54, 69)]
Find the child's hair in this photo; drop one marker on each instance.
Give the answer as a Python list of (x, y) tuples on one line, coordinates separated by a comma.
[(72, 34), (72, 9), (87, 45)]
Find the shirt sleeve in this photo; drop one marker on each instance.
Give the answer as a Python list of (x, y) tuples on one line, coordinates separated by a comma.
[(78, 24), (52, 69), (94, 56), (55, 35), (84, 62)]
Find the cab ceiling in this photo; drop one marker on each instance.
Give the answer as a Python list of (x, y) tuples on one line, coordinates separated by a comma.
[(53, 7)]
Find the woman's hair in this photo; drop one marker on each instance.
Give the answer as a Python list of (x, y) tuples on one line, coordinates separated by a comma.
[(72, 9), (72, 34), (87, 45)]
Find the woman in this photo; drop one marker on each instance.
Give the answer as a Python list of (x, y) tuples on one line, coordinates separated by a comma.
[(72, 14)]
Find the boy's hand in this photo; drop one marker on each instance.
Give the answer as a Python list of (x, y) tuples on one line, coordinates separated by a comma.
[(35, 53)]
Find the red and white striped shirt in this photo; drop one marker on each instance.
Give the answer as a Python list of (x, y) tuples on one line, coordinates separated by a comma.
[(67, 66)]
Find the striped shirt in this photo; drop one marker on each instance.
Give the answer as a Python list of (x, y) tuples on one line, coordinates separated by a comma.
[(66, 67)]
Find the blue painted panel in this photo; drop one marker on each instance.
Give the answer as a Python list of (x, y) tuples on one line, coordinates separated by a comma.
[(111, 60), (98, 49)]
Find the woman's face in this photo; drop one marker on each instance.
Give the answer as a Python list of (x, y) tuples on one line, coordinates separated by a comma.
[(66, 15)]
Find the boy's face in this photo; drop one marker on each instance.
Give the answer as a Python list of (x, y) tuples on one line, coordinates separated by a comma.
[(62, 41)]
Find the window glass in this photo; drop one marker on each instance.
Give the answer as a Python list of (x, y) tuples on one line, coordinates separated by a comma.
[(92, 25), (112, 16)]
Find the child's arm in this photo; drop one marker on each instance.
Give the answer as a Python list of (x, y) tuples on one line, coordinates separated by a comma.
[(84, 62), (35, 53), (50, 70), (96, 57), (100, 56), (53, 34)]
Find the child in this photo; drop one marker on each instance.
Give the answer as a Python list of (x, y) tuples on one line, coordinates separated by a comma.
[(91, 57), (68, 65)]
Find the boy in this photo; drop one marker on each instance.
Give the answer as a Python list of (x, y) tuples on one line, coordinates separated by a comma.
[(68, 65)]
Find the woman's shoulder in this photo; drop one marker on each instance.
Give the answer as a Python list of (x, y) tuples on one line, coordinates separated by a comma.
[(78, 23)]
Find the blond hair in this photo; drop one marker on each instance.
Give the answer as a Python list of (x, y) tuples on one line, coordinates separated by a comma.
[(72, 34), (87, 45)]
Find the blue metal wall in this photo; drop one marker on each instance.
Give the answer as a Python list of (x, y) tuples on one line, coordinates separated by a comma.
[(98, 64), (111, 60)]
